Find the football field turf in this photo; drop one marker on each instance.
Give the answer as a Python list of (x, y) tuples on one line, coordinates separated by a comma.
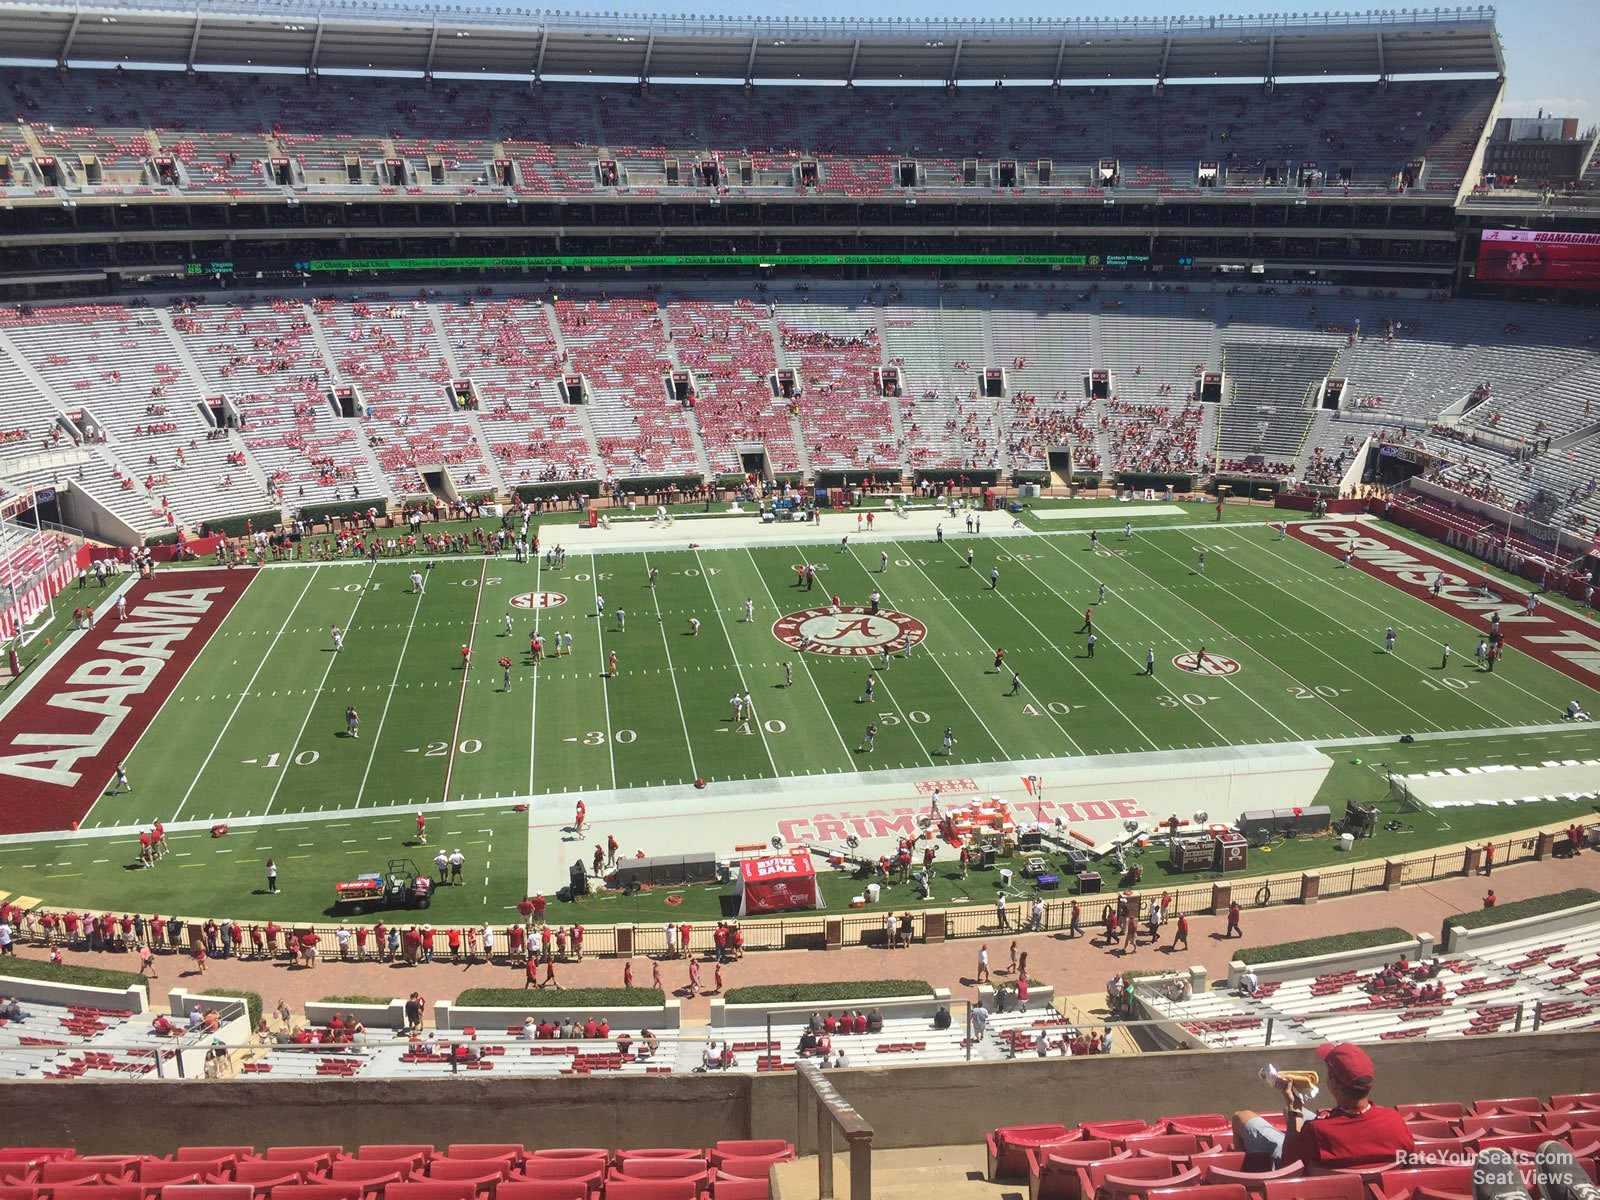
[(257, 727), (255, 732)]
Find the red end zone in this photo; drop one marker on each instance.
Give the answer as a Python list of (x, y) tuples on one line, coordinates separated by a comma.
[(61, 744), (1552, 635)]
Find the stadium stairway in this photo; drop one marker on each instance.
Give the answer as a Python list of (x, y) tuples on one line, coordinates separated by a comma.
[(946, 1172)]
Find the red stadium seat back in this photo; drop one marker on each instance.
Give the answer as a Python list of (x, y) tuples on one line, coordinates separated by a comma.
[(23, 1191), (560, 1152), (1169, 1145), (418, 1152), (1441, 1149), (323, 1154), (1448, 1110), (1574, 1100), (652, 1189), (207, 1191), (97, 1191), (1145, 1170), (11, 1154), (754, 1148), (511, 1152), (1214, 1173), (1503, 1123), (1519, 1145), (748, 1167), (1222, 1139), (159, 1174), (1198, 1123), (1514, 1104), (263, 1173), (544, 1189), (1112, 1130), (195, 1153), (588, 1169), (1433, 1127), (1008, 1148), (1116, 1187), (77, 1170), (319, 1191), (481, 1171), (661, 1168), (1227, 1160), (1203, 1191), (1314, 1187), (1428, 1193), (725, 1187), (1402, 1183), (431, 1189), (661, 1152), (372, 1171)]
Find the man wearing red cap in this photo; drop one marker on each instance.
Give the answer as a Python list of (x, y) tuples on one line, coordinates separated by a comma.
[(1355, 1132)]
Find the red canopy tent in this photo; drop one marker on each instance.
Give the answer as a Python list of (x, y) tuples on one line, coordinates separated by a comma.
[(782, 883)]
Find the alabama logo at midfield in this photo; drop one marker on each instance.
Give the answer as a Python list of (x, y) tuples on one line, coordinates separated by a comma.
[(854, 631)]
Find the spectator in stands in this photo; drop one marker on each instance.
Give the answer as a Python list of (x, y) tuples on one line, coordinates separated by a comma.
[(1249, 982), (10, 1010), (1355, 1132), (941, 1018)]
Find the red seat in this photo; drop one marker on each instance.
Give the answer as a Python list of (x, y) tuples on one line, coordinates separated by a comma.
[(1055, 1171), (156, 1173), (10, 1154), (202, 1153), (1160, 1145), (1517, 1104), (78, 1170), (264, 1174), (97, 1191), (1504, 1123), (1203, 1191), (751, 1166), (1443, 1149), (652, 1189), (669, 1152), (1008, 1147), (1198, 1123), (1216, 1172), (319, 1191), (323, 1154), (1314, 1187), (1140, 1176), (443, 1189), (592, 1171), (511, 1152), (23, 1191), (1112, 1130), (372, 1173), (1407, 1183), (1574, 1100), (1448, 1110), (758, 1147), (725, 1187), (570, 1152), (1433, 1127), (661, 1168), (417, 1152), (544, 1189), (208, 1191)]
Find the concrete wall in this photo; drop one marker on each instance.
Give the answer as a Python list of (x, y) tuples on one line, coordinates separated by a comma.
[(908, 1106), (41, 991), (1469, 941)]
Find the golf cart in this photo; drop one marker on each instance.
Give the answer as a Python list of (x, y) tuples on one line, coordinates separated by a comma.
[(402, 885)]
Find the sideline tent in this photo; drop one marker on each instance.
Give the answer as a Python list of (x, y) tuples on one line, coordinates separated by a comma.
[(781, 883)]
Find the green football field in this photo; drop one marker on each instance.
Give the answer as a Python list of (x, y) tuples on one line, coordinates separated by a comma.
[(257, 727)]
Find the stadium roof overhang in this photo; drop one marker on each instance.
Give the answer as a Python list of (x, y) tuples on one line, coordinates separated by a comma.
[(355, 35)]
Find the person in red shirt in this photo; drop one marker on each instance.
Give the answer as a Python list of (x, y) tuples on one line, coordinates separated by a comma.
[(516, 935), (422, 830), (1355, 1132)]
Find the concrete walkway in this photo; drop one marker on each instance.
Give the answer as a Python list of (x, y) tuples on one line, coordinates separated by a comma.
[(1073, 967)]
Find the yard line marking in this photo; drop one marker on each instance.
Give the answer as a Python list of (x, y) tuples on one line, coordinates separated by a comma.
[(728, 637), (195, 782), (466, 670), (389, 699), (311, 707), (804, 665), (533, 717), (928, 754), (688, 743), (1338, 663), (605, 688), (1222, 740)]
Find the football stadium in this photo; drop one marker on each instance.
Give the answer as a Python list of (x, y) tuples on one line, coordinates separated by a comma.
[(583, 591)]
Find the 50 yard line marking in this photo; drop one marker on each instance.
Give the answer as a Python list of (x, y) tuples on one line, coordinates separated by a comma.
[(221, 733), (312, 706), (466, 669)]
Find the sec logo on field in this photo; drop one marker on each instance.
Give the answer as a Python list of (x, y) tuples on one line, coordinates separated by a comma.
[(538, 600), (854, 631), (1214, 664)]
